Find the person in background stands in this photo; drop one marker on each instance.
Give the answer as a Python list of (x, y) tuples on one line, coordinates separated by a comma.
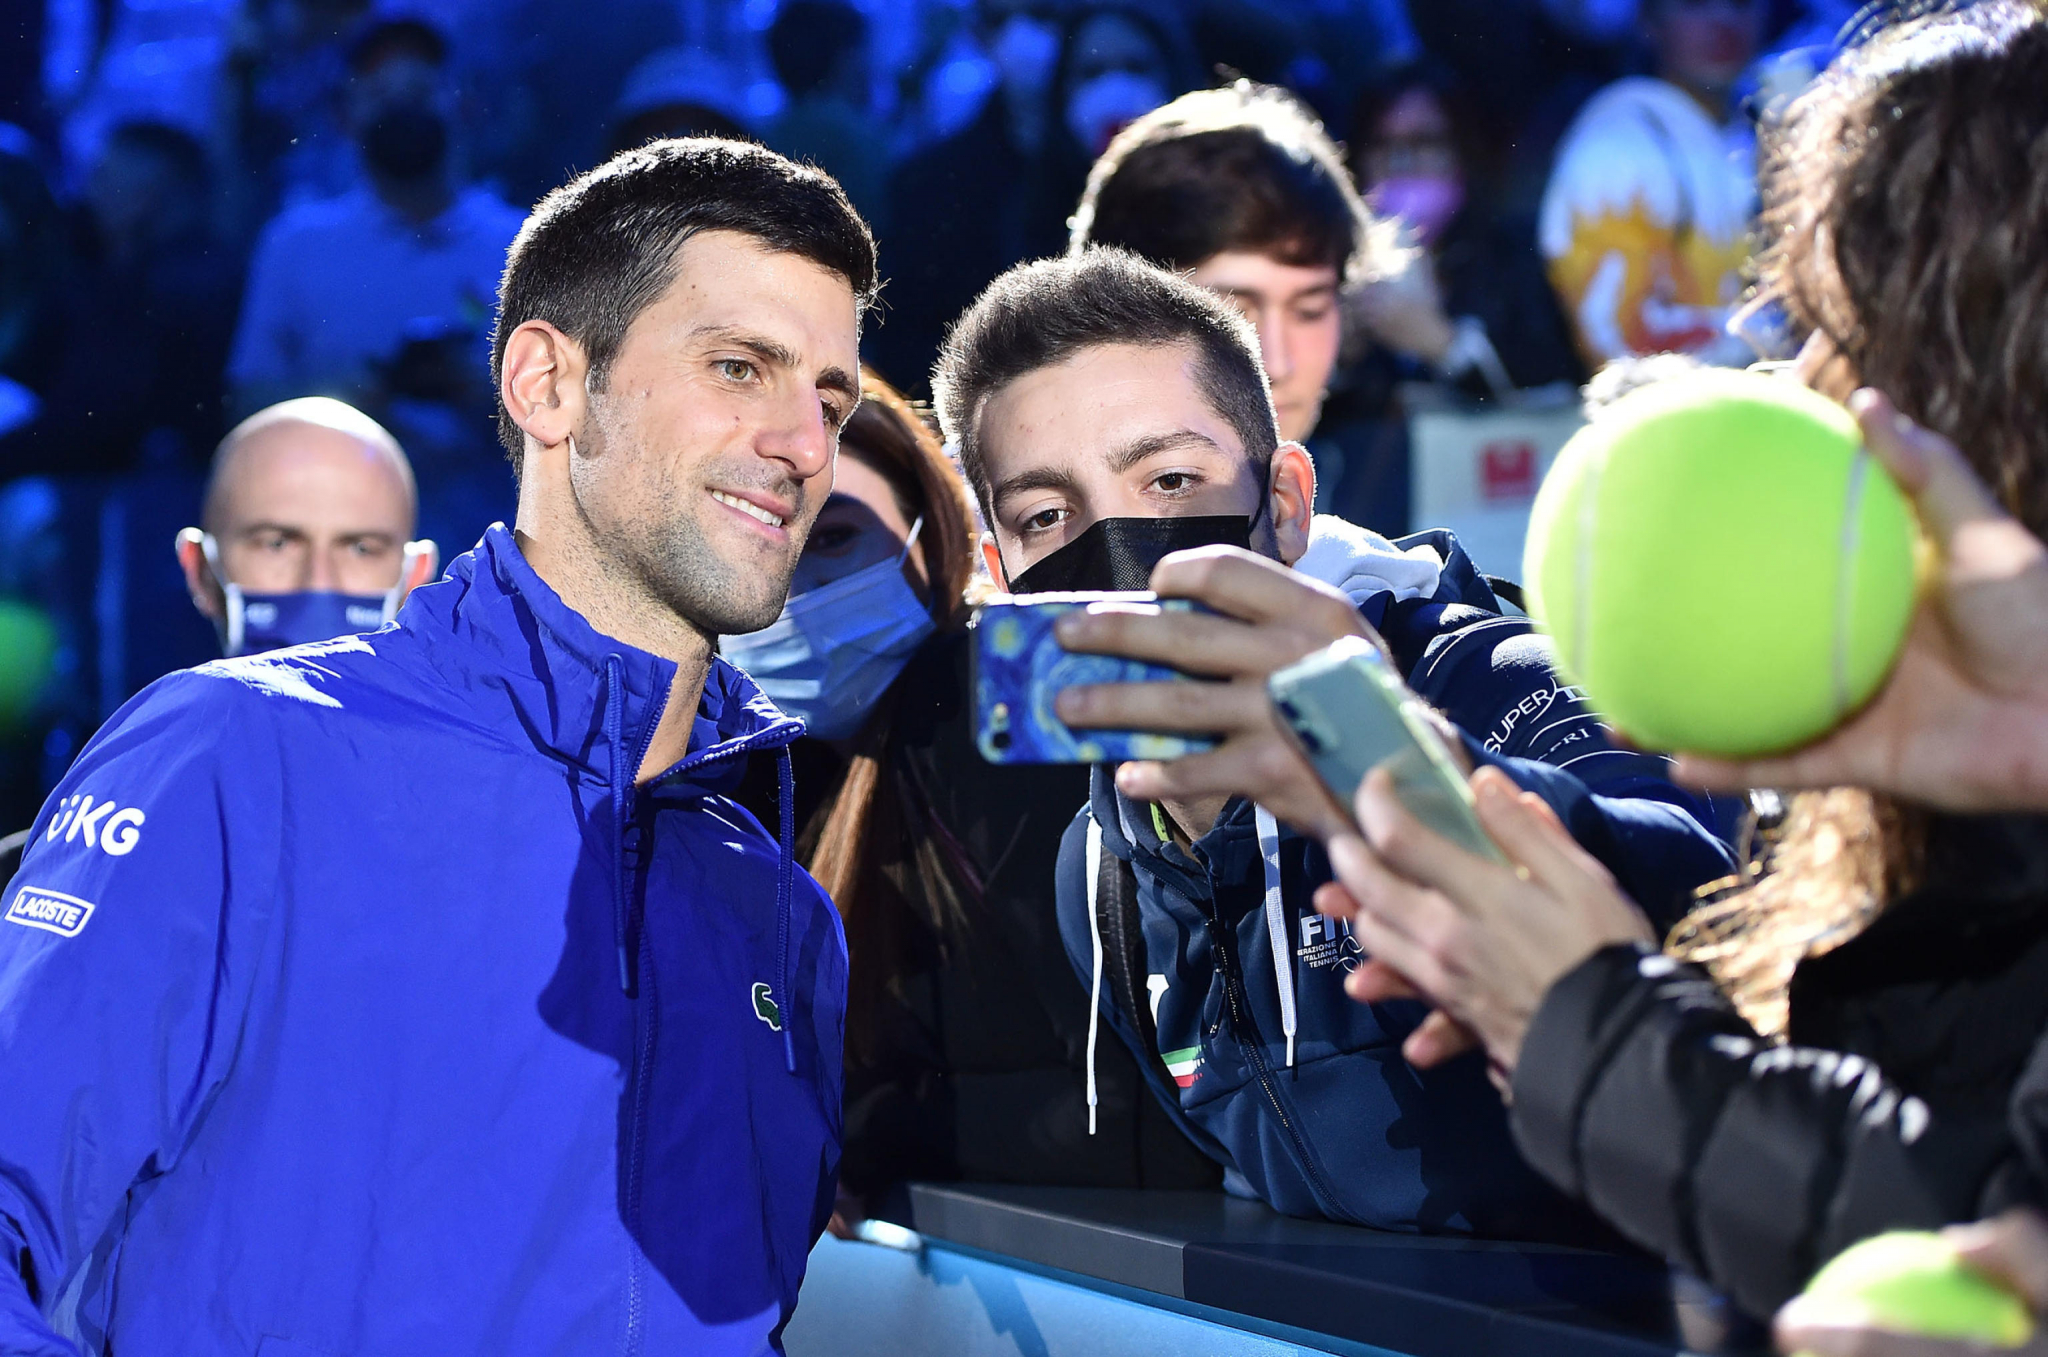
[(142, 322), (288, 68), (1242, 190), (335, 284), (1646, 217), (1001, 190), (677, 92), (307, 529), (821, 52), (1475, 308)]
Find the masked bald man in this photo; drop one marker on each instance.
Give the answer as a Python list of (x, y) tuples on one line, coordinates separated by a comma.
[(308, 517)]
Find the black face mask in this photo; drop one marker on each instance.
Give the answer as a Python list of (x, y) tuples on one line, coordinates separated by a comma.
[(1119, 553), (406, 141)]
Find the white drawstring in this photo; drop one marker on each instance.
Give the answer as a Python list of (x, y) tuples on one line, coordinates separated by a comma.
[(1095, 955), (1277, 923)]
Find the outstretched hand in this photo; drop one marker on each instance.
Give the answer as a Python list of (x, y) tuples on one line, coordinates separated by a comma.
[(1479, 941), (1962, 723)]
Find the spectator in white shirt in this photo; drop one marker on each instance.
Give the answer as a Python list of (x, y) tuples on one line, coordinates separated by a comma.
[(336, 285)]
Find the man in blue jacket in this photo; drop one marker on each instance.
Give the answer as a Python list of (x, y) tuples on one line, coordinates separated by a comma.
[(424, 991), (1108, 414)]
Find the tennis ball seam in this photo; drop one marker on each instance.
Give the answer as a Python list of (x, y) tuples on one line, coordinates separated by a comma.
[(1846, 573)]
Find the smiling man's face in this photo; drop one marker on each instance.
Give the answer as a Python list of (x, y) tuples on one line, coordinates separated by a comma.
[(1115, 431), (710, 447)]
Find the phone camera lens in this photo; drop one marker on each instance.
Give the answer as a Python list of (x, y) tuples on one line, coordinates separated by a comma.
[(1309, 739)]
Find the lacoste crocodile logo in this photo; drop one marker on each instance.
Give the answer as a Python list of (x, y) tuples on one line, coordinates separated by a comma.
[(764, 1006)]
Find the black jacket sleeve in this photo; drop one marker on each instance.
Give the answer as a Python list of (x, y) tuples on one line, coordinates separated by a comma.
[(1641, 1090)]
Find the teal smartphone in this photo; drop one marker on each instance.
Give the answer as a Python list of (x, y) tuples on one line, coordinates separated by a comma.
[(1349, 711)]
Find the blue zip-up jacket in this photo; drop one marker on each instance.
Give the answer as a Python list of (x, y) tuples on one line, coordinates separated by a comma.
[(354, 1000), (1351, 1131)]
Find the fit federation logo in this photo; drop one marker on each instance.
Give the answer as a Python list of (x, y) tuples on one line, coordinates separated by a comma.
[(1184, 1065), (51, 911), (1327, 942)]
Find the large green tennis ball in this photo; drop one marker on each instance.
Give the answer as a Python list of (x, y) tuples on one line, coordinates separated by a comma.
[(1723, 567), (1913, 1282)]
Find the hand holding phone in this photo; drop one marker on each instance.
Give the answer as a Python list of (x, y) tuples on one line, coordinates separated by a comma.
[(1349, 712)]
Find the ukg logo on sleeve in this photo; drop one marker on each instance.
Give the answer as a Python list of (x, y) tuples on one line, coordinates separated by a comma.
[(51, 911), (103, 825)]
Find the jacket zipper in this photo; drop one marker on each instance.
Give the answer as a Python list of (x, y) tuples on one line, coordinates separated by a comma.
[(1240, 1019), (646, 1000), (643, 1060)]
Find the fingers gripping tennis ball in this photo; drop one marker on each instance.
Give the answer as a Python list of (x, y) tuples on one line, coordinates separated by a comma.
[(1913, 1282), (1723, 568)]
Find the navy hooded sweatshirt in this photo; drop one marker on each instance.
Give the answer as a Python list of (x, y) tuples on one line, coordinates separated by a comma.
[(354, 1000), (1332, 1121)]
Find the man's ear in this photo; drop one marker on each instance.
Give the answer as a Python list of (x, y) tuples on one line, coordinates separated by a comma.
[(993, 560), (1292, 495), (199, 581), (543, 386)]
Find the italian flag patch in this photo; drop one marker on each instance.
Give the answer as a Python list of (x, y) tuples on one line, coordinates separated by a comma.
[(1185, 1066)]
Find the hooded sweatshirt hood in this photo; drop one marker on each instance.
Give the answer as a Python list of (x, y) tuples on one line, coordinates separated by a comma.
[(1364, 564)]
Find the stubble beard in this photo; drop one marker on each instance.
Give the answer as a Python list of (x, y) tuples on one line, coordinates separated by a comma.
[(679, 567), (670, 558)]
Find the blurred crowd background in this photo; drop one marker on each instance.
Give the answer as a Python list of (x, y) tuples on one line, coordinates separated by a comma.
[(210, 205)]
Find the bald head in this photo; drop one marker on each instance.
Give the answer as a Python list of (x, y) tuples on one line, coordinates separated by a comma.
[(295, 457), (311, 494)]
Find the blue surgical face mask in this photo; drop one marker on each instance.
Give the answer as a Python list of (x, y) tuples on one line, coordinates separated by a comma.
[(252, 623), (836, 649)]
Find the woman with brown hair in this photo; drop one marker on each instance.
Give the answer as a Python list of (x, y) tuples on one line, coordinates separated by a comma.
[(965, 1031), (1848, 1044)]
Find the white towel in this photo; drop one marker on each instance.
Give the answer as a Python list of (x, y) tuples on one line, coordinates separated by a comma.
[(1362, 563)]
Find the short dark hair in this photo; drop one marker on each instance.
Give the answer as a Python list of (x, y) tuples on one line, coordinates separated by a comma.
[(601, 249), (1245, 167), (808, 40), (1043, 313)]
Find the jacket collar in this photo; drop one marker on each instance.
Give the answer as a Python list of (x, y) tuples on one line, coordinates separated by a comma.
[(501, 631)]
